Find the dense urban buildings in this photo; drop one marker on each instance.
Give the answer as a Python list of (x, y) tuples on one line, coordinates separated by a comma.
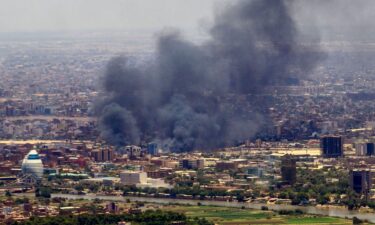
[(312, 152), (300, 141)]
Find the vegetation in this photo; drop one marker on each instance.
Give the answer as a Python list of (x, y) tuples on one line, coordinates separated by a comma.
[(8, 193), (357, 221), (146, 218), (233, 216), (310, 185), (195, 192), (44, 192), (291, 212), (313, 220)]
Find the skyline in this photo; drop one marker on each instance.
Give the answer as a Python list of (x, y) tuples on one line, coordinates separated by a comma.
[(111, 112)]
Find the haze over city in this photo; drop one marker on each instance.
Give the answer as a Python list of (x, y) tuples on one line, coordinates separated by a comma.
[(187, 112)]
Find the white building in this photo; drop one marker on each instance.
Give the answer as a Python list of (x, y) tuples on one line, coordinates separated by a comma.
[(133, 177), (140, 179), (154, 183), (133, 151), (32, 164), (364, 149)]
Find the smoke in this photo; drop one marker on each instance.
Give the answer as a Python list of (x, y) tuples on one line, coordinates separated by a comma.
[(186, 97), (338, 20), (118, 125)]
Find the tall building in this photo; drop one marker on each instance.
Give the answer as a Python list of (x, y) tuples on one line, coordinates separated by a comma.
[(360, 149), (191, 164), (103, 155), (370, 149), (332, 146), (133, 151), (361, 180), (288, 169), (365, 149), (152, 149), (32, 164), (112, 207)]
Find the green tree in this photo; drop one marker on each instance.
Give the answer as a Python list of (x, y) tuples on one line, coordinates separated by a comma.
[(44, 192), (8, 193), (79, 188)]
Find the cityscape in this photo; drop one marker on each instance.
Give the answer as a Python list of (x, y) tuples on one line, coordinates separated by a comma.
[(265, 117)]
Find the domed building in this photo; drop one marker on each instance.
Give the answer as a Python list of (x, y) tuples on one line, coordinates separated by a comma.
[(32, 164)]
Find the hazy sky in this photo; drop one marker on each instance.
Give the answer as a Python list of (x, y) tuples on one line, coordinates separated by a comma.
[(42, 15), (325, 16)]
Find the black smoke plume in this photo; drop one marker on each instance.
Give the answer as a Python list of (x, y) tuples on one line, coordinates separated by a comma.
[(184, 97)]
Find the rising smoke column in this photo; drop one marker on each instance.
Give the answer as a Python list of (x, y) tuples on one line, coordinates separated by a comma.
[(180, 98)]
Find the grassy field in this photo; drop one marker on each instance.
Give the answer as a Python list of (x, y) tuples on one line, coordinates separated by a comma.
[(224, 215), (232, 216), (317, 220)]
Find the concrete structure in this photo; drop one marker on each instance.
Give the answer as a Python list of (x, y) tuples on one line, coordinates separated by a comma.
[(255, 171), (103, 155), (154, 183), (32, 164), (152, 149), (112, 207), (105, 181), (364, 149), (191, 164), (332, 146), (133, 151), (133, 177), (226, 165), (361, 180), (140, 179), (288, 169)]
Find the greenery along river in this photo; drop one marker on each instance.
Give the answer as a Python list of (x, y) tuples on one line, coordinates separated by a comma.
[(326, 211)]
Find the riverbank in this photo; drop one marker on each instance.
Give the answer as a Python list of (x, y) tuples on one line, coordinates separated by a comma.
[(330, 212), (234, 216)]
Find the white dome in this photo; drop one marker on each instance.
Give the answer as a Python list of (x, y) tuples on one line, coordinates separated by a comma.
[(32, 164)]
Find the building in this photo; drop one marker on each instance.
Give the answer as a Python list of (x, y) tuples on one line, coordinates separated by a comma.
[(288, 169), (191, 164), (32, 164), (103, 155), (332, 146), (255, 171), (27, 208), (133, 177), (360, 149), (112, 207), (152, 149), (361, 180), (105, 181), (133, 151), (160, 173), (364, 149), (370, 149), (226, 165), (154, 183)]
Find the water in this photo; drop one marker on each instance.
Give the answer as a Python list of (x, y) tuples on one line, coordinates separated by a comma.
[(329, 211)]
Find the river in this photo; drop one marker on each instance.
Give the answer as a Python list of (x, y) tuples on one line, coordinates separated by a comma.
[(329, 211)]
